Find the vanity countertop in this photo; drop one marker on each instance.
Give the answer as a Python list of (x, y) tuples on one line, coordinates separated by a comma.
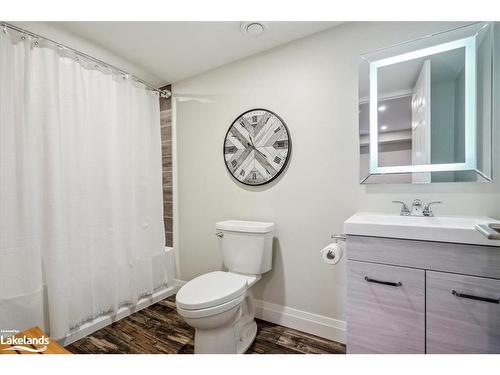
[(454, 229)]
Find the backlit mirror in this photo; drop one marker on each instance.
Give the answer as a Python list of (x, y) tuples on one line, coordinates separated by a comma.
[(425, 109)]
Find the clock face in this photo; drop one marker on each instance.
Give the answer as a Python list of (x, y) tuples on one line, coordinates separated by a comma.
[(257, 147)]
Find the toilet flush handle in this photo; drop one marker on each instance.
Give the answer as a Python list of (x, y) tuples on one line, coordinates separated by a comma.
[(219, 234)]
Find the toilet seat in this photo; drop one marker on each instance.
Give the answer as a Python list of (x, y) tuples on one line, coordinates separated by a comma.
[(209, 311), (212, 289)]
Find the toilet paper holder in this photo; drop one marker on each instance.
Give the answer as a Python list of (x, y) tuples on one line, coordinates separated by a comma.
[(337, 237)]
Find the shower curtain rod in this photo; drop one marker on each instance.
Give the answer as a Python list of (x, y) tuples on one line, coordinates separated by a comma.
[(163, 93)]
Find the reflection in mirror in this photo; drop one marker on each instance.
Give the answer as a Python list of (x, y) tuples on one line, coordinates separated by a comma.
[(428, 120)]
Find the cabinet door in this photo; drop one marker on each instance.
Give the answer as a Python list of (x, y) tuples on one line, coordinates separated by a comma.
[(463, 314), (385, 309)]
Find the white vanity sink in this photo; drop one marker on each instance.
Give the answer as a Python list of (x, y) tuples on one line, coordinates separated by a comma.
[(442, 229)]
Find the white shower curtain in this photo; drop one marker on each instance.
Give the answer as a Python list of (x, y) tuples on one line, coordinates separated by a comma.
[(81, 221)]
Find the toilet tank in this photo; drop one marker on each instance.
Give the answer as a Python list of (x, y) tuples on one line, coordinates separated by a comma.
[(247, 246)]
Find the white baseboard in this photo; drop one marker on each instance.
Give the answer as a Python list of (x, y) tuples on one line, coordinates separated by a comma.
[(102, 321), (319, 325)]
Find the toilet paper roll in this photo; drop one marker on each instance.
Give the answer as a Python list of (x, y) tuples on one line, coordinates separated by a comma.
[(331, 253)]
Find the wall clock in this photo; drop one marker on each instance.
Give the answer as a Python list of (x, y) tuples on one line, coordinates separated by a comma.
[(257, 147)]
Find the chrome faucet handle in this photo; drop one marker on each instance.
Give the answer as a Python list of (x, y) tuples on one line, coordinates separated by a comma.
[(427, 211), (404, 208)]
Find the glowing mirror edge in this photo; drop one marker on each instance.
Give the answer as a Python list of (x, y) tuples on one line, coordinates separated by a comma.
[(470, 108)]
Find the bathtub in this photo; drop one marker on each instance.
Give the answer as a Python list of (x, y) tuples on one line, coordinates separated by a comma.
[(161, 292)]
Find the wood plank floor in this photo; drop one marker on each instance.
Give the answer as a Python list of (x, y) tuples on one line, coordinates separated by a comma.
[(159, 329)]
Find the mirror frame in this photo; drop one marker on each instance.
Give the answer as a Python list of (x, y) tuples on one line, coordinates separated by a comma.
[(470, 163)]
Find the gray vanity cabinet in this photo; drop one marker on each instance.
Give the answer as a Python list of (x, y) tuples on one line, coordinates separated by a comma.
[(386, 309), (456, 321), (409, 296)]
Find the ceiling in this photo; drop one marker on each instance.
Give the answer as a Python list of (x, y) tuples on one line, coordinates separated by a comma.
[(172, 51)]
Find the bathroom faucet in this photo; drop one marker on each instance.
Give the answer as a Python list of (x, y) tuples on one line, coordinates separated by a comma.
[(418, 208)]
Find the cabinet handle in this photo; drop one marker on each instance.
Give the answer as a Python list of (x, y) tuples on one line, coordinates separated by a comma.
[(477, 298), (390, 283)]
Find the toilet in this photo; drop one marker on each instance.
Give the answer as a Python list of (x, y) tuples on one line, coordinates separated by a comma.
[(219, 304)]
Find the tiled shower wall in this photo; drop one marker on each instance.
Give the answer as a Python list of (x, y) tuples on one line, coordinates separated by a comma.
[(166, 149)]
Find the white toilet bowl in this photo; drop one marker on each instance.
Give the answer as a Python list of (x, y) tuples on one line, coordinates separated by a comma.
[(219, 306)]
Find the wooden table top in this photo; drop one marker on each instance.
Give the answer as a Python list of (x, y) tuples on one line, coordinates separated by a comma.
[(33, 348)]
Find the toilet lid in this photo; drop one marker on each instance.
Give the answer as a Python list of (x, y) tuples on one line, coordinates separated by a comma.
[(210, 289)]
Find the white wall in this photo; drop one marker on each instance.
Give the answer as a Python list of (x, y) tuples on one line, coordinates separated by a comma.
[(312, 84)]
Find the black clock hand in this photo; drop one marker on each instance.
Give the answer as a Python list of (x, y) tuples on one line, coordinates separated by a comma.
[(251, 144), (255, 148), (260, 152), (250, 136)]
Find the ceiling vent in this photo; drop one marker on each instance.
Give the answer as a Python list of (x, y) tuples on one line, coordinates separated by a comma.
[(253, 28)]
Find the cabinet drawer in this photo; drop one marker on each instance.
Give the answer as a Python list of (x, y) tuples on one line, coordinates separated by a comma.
[(459, 324), (385, 318), (483, 261)]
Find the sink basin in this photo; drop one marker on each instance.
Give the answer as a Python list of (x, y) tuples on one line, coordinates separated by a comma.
[(442, 229)]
